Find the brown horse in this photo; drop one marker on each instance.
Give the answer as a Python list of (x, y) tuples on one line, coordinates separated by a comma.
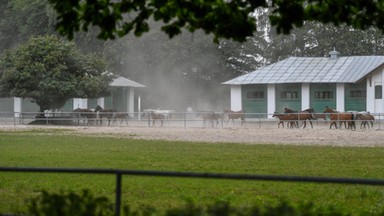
[(367, 120), (232, 115), (340, 117), (302, 116), (87, 115), (290, 118), (122, 116), (105, 113), (210, 117)]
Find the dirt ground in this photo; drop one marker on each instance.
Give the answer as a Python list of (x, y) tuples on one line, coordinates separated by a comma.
[(319, 135)]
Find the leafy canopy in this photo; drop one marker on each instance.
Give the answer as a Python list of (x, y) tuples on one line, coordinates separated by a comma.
[(230, 19), (50, 71)]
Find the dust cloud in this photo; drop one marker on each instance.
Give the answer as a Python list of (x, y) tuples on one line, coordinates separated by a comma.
[(178, 73)]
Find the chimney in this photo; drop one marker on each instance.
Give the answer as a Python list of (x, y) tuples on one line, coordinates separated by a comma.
[(333, 54)]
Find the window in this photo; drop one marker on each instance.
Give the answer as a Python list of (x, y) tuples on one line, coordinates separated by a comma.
[(378, 92), (357, 94), (289, 95), (323, 95), (255, 95)]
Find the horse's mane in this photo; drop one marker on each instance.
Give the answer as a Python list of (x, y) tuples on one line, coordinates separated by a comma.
[(287, 110)]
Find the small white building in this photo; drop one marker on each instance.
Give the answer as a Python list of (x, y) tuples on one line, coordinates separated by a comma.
[(122, 99)]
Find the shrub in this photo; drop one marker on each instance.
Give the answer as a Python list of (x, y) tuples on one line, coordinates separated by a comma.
[(70, 204)]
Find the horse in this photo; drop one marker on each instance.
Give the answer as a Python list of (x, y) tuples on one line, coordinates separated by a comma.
[(154, 116), (167, 113), (302, 115), (122, 116), (344, 117), (367, 120), (87, 115), (232, 115), (106, 113), (290, 118), (211, 117)]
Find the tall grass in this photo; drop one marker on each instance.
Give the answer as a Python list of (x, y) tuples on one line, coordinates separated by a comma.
[(56, 148)]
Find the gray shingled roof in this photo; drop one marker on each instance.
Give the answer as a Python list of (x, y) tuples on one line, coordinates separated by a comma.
[(122, 81), (312, 70)]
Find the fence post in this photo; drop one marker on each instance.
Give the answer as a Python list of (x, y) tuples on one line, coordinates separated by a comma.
[(118, 194)]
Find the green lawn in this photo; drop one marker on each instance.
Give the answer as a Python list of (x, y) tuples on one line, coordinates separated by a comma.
[(61, 148)]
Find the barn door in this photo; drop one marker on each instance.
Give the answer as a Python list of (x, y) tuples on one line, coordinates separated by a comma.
[(254, 98), (322, 95), (288, 96), (355, 96)]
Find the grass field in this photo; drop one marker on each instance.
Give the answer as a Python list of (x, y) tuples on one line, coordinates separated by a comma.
[(55, 148)]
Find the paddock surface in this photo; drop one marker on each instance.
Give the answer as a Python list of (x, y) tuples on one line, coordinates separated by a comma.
[(320, 135)]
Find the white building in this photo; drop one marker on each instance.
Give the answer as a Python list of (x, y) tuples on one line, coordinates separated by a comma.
[(343, 83)]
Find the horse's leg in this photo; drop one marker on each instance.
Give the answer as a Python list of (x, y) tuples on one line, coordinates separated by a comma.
[(304, 124), (333, 123)]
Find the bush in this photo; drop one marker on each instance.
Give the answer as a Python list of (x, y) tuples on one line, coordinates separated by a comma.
[(72, 204)]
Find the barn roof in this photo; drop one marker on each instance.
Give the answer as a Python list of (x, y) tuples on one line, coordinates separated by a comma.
[(312, 70), (124, 82)]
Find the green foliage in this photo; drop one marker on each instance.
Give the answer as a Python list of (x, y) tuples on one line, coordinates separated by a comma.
[(20, 19), (73, 204), (50, 71), (225, 19), (69, 204)]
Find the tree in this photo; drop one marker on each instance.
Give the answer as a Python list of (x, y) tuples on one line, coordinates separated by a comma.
[(21, 19), (225, 19), (50, 71)]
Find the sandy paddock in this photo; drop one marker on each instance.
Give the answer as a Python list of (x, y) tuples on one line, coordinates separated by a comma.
[(319, 135)]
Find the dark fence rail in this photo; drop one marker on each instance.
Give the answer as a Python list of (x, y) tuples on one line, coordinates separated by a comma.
[(176, 119), (253, 177)]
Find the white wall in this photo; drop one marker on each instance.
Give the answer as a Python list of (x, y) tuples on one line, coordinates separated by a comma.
[(17, 104), (370, 100), (271, 94), (340, 93), (80, 103), (101, 102), (236, 103), (305, 96), (375, 105)]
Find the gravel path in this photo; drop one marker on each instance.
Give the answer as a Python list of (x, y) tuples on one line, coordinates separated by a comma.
[(245, 135)]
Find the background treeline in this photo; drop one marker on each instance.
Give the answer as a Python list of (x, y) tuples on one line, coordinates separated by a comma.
[(188, 70)]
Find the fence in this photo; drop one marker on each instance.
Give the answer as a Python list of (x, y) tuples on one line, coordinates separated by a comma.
[(120, 173), (176, 119)]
